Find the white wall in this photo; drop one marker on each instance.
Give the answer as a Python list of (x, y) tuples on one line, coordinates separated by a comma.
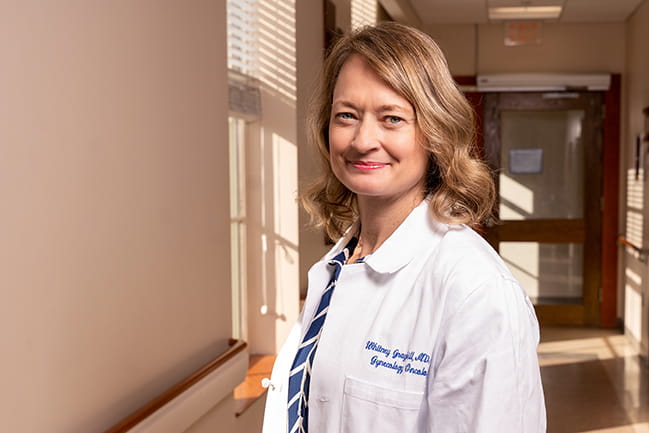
[(114, 239), (635, 274)]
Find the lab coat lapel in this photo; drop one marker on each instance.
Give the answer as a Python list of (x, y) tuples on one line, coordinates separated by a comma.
[(317, 277), (320, 274)]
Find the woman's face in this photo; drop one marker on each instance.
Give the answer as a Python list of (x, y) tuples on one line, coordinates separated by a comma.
[(373, 137)]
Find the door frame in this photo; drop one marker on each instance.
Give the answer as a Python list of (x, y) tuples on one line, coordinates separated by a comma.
[(585, 230), (610, 187)]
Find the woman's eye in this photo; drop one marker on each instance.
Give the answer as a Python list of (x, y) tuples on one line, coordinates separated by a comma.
[(345, 116), (393, 120)]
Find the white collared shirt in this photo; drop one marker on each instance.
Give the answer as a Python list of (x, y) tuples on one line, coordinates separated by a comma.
[(431, 333)]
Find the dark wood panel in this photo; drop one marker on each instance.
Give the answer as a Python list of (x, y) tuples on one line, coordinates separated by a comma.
[(535, 101), (546, 231), (611, 167), (565, 315), (592, 133), (465, 80)]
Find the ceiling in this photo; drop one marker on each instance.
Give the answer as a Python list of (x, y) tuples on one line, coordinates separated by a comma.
[(432, 12)]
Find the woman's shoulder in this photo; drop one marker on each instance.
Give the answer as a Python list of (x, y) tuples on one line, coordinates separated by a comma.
[(467, 270), (461, 247), (464, 261)]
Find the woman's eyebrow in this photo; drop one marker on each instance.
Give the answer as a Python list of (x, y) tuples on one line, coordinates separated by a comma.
[(393, 107), (386, 108), (344, 104)]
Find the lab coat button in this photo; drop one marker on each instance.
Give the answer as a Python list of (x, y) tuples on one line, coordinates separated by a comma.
[(323, 399), (266, 383)]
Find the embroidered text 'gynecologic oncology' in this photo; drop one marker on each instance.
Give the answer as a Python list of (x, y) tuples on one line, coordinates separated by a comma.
[(409, 362)]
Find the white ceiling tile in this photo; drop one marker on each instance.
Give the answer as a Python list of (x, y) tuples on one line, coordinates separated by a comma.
[(598, 10), (450, 11)]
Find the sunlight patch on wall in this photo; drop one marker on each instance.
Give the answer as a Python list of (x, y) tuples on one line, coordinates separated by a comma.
[(286, 228), (242, 40), (632, 276), (522, 259), (364, 13), (633, 312), (276, 33), (515, 199), (285, 188), (549, 272), (261, 43), (635, 188), (634, 213)]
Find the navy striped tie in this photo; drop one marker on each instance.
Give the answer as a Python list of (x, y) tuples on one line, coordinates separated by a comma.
[(300, 375)]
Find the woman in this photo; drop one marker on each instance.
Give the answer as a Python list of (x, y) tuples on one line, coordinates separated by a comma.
[(412, 323)]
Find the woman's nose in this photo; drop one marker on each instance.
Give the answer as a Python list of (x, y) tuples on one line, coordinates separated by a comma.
[(367, 135)]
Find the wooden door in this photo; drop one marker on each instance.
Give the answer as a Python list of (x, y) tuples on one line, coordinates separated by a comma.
[(546, 151)]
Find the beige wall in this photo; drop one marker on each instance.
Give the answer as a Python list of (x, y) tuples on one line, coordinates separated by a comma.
[(114, 234), (473, 50), (220, 419), (458, 42), (343, 14), (565, 48), (310, 53), (635, 274)]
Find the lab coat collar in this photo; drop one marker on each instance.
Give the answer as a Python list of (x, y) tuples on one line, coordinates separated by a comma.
[(414, 235)]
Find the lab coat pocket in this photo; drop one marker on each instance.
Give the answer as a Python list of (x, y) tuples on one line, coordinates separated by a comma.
[(371, 408)]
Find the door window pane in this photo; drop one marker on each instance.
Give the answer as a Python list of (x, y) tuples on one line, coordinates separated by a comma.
[(549, 273), (542, 165)]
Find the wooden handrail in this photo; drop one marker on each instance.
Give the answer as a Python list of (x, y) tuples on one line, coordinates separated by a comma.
[(628, 243), (643, 252), (158, 402)]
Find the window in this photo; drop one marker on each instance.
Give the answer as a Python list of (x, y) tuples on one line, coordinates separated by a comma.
[(237, 225), (263, 170)]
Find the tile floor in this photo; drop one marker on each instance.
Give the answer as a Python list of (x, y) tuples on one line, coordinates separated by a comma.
[(593, 379), (594, 382)]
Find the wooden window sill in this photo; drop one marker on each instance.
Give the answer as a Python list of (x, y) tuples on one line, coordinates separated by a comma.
[(260, 366)]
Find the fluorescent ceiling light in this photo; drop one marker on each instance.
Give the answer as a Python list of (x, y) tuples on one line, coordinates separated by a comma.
[(525, 13)]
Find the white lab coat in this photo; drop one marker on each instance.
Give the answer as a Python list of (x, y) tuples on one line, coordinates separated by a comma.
[(430, 334)]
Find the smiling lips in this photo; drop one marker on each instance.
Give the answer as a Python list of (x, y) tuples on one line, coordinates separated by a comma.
[(367, 165)]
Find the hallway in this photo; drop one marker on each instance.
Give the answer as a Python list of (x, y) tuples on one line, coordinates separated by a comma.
[(594, 382)]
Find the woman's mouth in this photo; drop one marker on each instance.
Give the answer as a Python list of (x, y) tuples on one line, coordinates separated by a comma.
[(367, 165)]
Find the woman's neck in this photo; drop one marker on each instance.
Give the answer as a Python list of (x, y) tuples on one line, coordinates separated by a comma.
[(379, 218)]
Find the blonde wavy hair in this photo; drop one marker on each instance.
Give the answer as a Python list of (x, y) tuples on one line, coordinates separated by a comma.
[(458, 183)]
